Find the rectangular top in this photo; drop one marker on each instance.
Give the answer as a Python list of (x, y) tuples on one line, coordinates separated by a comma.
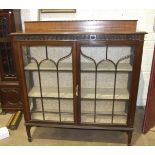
[(81, 26)]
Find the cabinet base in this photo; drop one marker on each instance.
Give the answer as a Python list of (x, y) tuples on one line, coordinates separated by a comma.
[(129, 131)]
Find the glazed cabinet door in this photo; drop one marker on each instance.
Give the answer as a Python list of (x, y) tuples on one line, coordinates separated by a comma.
[(49, 76), (105, 82), (7, 69)]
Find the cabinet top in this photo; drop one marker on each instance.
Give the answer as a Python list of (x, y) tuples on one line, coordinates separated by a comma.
[(81, 26), (81, 30), (77, 33)]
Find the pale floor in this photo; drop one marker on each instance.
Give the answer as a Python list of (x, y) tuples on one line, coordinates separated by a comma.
[(73, 137)]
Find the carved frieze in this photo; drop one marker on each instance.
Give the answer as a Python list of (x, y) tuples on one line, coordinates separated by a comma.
[(74, 37), (11, 96)]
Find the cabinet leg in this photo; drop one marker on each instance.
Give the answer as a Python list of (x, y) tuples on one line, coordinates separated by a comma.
[(129, 133), (28, 128)]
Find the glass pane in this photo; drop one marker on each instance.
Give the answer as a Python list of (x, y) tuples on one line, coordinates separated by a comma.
[(4, 30), (5, 50), (105, 83), (48, 71)]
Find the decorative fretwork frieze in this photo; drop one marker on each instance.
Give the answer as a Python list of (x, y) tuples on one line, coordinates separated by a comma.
[(39, 37)]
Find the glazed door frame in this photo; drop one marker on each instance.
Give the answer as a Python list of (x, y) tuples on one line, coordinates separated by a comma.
[(22, 80), (134, 81), (76, 75), (8, 47)]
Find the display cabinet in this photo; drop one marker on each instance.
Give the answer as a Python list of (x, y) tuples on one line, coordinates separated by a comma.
[(9, 86), (80, 79)]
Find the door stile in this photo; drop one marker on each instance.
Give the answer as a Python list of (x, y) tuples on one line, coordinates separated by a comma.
[(17, 48), (78, 83), (135, 84), (74, 66)]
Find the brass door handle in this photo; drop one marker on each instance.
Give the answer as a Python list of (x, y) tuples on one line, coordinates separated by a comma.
[(77, 90)]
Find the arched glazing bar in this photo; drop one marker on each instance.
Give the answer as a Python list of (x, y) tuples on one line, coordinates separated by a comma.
[(114, 88), (115, 78), (56, 64), (40, 84), (95, 88)]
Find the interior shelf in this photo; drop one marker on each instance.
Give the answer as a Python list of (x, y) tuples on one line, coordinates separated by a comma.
[(104, 93), (51, 92), (118, 113), (106, 119), (123, 67), (53, 117), (87, 93), (47, 65), (106, 67), (85, 118)]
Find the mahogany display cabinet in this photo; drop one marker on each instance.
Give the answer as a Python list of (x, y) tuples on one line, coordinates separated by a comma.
[(79, 74), (9, 85)]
